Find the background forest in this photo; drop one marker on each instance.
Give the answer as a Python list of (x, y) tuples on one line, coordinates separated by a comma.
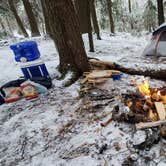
[(128, 16)]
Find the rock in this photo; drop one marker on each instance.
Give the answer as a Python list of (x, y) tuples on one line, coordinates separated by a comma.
[(145, 139), (103, 148), (134, 157), (139, 137)]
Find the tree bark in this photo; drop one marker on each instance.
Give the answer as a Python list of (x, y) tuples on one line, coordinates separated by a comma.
[(31, 18), (160, 12), (65, 31), (94, 19), (3, 27), (112, 26), (9, 25), (19, 22)]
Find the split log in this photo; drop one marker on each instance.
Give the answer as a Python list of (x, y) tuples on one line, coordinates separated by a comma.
[(156, 74), (160, 110), (150, 124)]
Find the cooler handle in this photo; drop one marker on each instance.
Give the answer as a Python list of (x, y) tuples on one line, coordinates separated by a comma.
[(41, 71)]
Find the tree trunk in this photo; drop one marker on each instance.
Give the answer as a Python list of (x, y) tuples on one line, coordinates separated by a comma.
[(3, 27), (65, 31), (157, 74), (9, 25), (94, 19), (31, 18), (130, 11), (112, 26), (19, 22), (45, 17), (129, 6), (90, 35), (160, 12)]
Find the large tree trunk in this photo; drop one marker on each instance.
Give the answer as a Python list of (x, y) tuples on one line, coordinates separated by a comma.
[(31, 18), (19, 22), (112, 26), (157, 74), (94, 19), (160, 12), (65, 31)]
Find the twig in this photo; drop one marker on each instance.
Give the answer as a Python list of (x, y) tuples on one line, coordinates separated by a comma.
[(149, 124)]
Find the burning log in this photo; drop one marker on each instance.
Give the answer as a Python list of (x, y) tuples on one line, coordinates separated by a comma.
[(147, 101)]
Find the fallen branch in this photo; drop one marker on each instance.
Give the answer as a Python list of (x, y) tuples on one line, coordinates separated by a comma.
[(104, 124), (157, 74), (149, 124)]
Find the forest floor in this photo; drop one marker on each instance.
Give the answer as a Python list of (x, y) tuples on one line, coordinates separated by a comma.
[(61, 129)]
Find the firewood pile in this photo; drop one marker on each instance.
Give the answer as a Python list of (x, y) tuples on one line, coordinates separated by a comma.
[(95, 78)]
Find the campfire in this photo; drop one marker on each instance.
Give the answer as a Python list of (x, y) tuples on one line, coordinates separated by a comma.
[(147, 101)]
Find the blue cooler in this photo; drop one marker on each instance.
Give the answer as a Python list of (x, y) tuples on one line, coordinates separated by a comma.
[(34, 69), (25, 50)]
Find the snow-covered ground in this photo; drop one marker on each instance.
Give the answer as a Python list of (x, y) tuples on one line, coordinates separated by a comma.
[(58, 128)]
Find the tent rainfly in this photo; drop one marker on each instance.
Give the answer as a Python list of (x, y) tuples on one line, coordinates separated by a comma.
[(157, 45)]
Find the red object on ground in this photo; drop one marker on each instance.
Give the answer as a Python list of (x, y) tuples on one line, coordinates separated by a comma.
[(14, 96)]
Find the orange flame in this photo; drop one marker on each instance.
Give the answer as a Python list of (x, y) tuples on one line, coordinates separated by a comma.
[(144, 88)]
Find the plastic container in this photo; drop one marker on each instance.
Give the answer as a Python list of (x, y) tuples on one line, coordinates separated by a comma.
[(34, 69), (116, 76), (28, 51)]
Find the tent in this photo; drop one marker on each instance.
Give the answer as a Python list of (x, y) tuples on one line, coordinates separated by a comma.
[(157, 45)]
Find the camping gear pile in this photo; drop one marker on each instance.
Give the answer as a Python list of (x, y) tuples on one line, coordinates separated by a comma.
[(36, 77), (156, 46)]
